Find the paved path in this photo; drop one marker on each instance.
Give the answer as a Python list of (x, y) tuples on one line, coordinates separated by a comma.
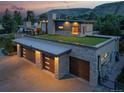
[(17, 74)]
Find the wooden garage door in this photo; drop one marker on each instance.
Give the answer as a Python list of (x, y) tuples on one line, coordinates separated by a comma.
[(29, 54), (79, 68), (48, 62)]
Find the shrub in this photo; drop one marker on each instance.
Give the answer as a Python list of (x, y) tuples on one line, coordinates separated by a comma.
[(121, 46), (120, 77)]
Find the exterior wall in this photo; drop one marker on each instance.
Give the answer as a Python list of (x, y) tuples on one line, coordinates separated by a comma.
[(111, 48), (68, 29), (51, 23), (28, 24), (61, 66), (82, 52), (88, 29)]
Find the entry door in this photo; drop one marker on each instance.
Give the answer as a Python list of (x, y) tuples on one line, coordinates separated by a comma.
[(79, 68), (75, 30), (48, 62)]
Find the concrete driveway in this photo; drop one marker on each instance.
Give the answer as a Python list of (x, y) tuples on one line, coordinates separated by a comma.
[(17, 74)]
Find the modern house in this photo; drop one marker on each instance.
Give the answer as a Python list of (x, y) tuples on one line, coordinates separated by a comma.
[(70, 48)]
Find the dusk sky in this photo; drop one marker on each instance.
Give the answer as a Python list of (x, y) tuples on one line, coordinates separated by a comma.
[(43, 6)]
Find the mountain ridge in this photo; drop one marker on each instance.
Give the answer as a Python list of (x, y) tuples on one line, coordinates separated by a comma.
[(116, 8)]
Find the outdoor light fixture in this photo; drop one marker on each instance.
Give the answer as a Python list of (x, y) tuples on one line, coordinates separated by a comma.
[(66, 23), (44, 21), (75, 24)]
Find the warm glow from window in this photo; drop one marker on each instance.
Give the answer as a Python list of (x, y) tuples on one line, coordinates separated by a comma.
[(75, 28), (75, 24), (66, 23), (56, 60), (18, 45), (60, 27), (37, 54)]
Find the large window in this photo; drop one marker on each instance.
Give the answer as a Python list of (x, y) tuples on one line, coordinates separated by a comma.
[(104, 58), (75, 28)]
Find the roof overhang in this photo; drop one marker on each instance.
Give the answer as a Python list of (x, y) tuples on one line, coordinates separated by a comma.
[(79, 21), (43, 46)]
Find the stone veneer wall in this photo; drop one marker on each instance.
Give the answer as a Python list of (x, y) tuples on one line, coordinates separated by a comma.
[(89, 54), (63, 65), (82, 52), (111, 49)]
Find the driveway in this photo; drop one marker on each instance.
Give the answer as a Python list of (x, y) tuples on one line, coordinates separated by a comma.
[(18, 74)]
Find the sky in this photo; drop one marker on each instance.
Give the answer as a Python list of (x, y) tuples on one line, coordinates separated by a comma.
[(43, 6)]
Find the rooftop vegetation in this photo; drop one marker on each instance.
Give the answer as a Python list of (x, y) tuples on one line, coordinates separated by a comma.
[(88, 40)]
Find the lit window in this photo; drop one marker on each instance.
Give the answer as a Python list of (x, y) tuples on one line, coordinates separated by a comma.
[(104, 58), (75, 24), (60, 27), (75, 29)]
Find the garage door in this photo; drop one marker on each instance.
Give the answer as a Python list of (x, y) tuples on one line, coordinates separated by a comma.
[(48, 62), (79, 68), (29, 54)]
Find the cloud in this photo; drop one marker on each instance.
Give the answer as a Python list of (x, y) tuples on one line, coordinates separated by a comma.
[(17, 8)]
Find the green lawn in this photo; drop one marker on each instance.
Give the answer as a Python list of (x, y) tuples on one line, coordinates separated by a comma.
[(91, 41)]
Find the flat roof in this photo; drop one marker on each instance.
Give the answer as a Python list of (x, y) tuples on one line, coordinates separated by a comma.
[(87, 40), (42, 46), (80, 21)]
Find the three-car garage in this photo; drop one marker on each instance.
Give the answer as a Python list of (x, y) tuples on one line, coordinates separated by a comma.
[(55, 59)]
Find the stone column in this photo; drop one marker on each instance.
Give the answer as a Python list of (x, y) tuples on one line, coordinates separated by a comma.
[(82, 33), (56, 63), (51, 23), (18, 50), (38, 59), (93, 73), (61, 66)]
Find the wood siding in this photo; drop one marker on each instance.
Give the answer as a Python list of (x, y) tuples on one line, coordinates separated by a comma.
[(79, 68)]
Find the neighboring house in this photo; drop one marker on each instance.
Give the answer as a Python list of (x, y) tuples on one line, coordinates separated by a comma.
[(87, 57)]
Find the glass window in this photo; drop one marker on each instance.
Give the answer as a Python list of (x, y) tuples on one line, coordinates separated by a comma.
[(104, 58)]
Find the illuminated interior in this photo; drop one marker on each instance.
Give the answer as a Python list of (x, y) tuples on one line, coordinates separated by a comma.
[(75, 29), (66, 23), (37, 54), (60, 27)]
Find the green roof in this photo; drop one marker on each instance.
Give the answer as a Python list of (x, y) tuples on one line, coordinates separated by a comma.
[(87, 40)]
